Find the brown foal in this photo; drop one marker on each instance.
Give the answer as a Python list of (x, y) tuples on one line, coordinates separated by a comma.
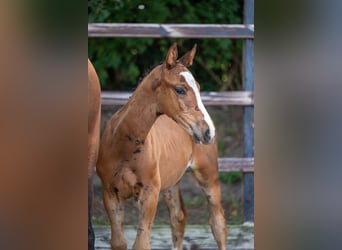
[(147, 146)]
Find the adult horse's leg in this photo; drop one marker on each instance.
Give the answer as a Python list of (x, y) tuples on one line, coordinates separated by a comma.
[(147, 204), (205, 171), (93, 144), (116, 212), (91, 234), (174, 202)]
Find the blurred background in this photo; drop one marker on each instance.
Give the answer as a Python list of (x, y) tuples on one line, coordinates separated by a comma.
[(121, 62)]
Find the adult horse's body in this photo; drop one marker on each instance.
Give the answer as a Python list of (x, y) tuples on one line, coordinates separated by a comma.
[(147, 146), (94, 116)]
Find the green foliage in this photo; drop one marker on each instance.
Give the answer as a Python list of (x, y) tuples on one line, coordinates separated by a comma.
[(195, 201), (231, 177), (235, 217), (121, 61), (100, 220)]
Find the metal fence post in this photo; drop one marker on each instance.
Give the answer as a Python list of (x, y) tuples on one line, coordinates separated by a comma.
[(248, 83)]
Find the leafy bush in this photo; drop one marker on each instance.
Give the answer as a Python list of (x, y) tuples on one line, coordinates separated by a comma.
[(121, 61)]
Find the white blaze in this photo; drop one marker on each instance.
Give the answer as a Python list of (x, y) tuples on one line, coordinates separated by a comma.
[(192, 83)]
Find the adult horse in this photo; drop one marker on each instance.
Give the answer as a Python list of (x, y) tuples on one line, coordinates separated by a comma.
[(147, 146), (94, 115)]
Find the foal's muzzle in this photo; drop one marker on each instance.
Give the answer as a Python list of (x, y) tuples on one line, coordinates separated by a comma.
[(201, 133)]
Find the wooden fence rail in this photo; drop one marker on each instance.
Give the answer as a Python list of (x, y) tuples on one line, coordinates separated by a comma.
[(171, 30), (239, 98), (245, 165)]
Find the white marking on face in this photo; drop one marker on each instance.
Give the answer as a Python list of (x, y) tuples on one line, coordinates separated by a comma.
[(192, 83), (174, 248)]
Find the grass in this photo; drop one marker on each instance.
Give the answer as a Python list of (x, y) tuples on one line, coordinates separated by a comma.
[(236, 210), (231, 177)]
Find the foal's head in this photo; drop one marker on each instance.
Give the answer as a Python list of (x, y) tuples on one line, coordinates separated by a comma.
[(178, 96)]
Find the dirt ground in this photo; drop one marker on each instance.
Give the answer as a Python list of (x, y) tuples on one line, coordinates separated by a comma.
[(229, 126)]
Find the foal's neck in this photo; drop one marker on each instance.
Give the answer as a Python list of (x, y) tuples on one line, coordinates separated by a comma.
[(138, 115)]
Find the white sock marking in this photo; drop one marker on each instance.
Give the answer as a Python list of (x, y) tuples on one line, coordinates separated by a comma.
[(192, 83)]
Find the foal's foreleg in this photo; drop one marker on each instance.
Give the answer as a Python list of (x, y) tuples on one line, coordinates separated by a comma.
[(210, 185), (216, 219), (115, 210), (147, 204), (173, 199)]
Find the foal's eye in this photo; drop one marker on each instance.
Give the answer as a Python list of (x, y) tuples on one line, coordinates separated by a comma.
[(180, 91)]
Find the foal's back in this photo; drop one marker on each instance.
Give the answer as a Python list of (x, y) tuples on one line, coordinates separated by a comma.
[(176, 151)]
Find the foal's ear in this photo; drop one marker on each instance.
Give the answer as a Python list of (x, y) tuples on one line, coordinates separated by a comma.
[(188, 58), (171, 56)]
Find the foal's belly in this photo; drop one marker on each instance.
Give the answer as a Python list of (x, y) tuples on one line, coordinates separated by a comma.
[(173, 147)]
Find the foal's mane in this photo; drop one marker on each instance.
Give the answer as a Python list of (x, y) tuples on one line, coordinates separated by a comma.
[(147, 71)]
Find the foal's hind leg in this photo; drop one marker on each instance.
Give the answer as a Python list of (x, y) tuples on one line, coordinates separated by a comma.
[(173, 199), (115, 210), (205, 170)]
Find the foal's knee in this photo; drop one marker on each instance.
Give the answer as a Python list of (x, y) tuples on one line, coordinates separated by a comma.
[(179, 219), (182, 216)]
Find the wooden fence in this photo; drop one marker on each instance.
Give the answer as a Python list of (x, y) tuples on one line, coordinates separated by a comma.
[(242, 98), (170, 30)]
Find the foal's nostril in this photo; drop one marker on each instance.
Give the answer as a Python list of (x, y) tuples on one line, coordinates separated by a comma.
[(207, 135)]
